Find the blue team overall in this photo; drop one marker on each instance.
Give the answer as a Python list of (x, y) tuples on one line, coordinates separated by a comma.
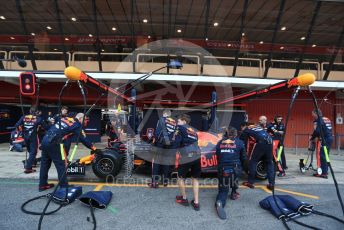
[(29, 124), (67, 139), (111, 131), (262, 150), (231, 155), (165, 152), (51, 148), (273, 128), (326, 129), (190, 159), (16, 141)]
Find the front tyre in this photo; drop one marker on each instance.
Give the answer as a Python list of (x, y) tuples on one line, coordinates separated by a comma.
[(108, 163), (261, 172)]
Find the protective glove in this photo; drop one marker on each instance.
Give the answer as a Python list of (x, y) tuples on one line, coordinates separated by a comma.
[(96, 151), (311, 146)]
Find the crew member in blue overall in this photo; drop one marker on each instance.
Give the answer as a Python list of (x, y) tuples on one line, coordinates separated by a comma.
[(190, 160), (276, 129), (42, 128), (231, 156), (67, 139), (261, 150), (29, 125), (51, 149), (16, 141), (164, 149), (263, 122), (322, 126), (113, 130), (64, 113)]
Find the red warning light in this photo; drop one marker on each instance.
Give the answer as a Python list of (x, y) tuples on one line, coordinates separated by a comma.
[(27, 83)]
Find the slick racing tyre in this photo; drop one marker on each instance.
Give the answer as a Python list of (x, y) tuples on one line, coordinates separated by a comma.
[(109, 163), (261, 172)]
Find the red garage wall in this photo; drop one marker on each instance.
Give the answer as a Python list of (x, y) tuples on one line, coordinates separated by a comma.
[(339, 109), (269, 105), (301, 118)]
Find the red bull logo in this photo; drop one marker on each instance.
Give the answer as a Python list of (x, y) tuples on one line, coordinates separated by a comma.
[(207, 139), (211, 162)]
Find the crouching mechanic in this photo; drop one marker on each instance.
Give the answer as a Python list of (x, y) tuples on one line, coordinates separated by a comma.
[(51, 149), (16, 141), (262, 149), (190, 160), (231, 156)]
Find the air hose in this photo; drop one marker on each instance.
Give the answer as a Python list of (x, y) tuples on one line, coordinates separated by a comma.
[(94, 220), (323, 143), (293, 99), (44, 212), (72, 155), (46, 196), (327, 159)]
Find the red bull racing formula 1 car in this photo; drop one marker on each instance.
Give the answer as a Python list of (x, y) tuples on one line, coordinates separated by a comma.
[(111, 160)]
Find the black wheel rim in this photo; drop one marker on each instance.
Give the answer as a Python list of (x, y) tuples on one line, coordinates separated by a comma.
[(261, 171), (105, 165)]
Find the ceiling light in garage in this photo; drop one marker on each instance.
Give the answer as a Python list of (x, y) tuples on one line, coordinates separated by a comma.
[(206, 39), (283, 28), (73, 19), (90, 35), (2, 17), (314, 45), (33, 34), (145, 20), (114, 28), (261, 42), (243, 34), (149, 36), (103, 50), (179, 30), (216, 23), (302, 38), (56, 49), (49, 28)]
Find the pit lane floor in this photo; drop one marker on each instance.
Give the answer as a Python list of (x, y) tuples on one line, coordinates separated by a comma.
[(134, 206), (139, 207)]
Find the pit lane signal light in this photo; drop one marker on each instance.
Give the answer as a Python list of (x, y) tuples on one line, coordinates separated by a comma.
[(27, 83)]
